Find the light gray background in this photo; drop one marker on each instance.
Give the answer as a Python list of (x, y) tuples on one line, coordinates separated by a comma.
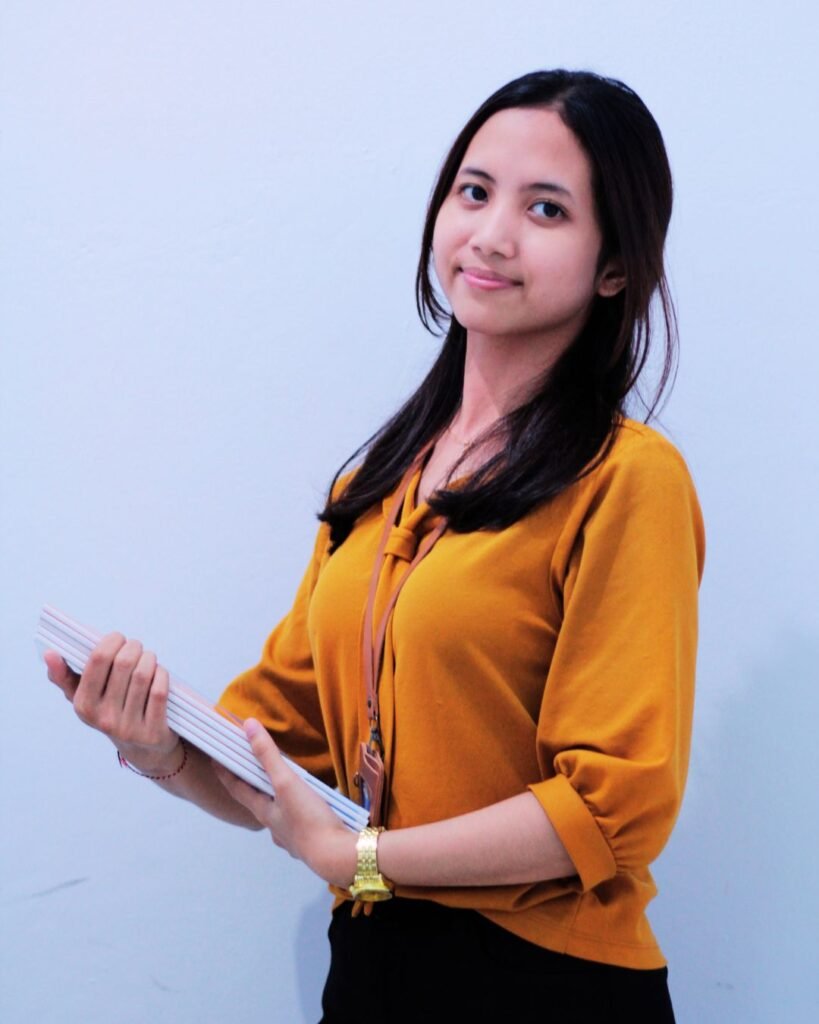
[(210, 219)]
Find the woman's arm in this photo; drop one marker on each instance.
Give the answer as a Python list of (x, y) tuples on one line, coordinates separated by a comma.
[(506, 843), (123, 693)]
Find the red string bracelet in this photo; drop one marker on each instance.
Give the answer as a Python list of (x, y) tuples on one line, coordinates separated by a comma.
[(156, 778)]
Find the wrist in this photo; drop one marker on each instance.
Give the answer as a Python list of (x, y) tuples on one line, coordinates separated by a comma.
[(154, 765), (369, 884), (335, 857)]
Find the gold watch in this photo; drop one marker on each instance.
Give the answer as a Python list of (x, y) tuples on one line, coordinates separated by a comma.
[(369, 885)]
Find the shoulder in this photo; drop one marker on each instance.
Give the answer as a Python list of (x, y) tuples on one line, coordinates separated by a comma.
[(637, 507), (638, 446), (643, 487), (640, 474), (642, 483), (640, 462)]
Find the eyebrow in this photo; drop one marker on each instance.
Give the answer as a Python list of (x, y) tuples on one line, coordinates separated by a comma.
[(536, 186)]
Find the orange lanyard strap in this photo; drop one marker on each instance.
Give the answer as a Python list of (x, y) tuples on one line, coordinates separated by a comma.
[(373, 645), (378, 646)]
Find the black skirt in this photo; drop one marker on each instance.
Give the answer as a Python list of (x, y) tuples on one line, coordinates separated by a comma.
[(413, 960)]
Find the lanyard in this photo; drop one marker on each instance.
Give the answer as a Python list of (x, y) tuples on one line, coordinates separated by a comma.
[(371, 766)]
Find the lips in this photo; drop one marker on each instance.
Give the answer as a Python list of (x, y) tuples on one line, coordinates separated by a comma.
[(479, 277)]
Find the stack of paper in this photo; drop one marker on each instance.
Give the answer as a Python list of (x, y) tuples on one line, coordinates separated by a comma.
[(192, 717)]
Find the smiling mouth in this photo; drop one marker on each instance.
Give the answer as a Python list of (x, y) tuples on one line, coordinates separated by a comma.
[(487, 280)]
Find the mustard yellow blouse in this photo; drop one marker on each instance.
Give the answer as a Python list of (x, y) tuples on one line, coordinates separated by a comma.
[(557, 654)]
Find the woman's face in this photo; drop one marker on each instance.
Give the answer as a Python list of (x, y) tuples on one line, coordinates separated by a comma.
[(516, 241)]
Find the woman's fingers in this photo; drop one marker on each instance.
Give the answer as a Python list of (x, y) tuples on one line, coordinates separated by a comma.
[(156, 701), (116, 693), (94, 679), (120, 677), (60, 674), (267, 753), (259, 804), (297, 818), (123, 694), (139, 686)]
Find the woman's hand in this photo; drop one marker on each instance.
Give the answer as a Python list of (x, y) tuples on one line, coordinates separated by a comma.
[(298, 819), (124, 694)]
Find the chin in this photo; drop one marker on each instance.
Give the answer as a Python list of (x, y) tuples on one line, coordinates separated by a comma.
[(478, 318), (488, 325)]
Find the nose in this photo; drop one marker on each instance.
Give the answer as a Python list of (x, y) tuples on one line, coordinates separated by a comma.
[(494, 232)]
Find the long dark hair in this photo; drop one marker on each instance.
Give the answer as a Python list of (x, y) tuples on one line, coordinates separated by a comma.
[(569, 424)]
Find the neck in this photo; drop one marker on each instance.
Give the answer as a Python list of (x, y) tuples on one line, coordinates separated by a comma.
[(499, 376)]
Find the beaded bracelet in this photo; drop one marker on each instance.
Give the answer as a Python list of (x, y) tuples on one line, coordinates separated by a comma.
[(156, 778)]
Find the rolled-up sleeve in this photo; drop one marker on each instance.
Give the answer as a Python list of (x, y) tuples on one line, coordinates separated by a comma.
[(614, 729)]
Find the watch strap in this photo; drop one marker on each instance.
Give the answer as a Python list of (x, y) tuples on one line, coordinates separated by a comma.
[(369, 885)]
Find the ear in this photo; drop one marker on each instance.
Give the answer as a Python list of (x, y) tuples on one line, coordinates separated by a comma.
[(611, 279)]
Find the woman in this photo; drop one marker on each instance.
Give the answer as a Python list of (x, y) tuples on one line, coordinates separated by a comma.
[(494, 642)]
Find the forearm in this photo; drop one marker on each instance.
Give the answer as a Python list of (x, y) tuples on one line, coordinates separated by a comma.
[(507, 843), (503, 844), (197, 783)]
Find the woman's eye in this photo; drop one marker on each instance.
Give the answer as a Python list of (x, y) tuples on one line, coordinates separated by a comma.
[(475, 193), (547, 210)]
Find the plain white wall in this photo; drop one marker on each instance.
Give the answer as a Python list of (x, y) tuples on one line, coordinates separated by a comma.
[(210, 216)]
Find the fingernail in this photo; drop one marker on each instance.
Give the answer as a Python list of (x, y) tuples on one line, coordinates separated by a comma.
[(252, 728)]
